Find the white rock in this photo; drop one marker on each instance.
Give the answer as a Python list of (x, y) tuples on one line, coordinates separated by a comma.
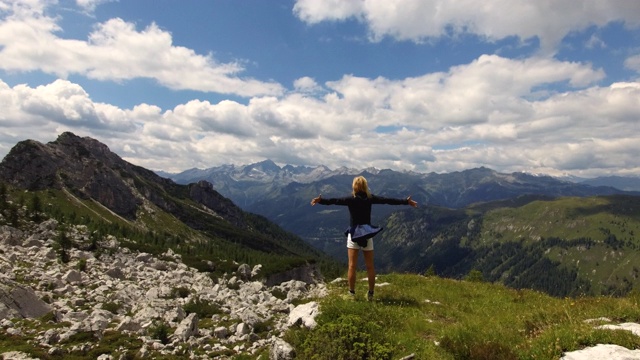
[(243, 329), (603, 352), (187, 328), (72, 276), (304, 314), (281, 350), (128, 324), (16, 355), (633, 327)]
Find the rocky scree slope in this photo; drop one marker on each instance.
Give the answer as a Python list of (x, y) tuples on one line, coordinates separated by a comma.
[(50, 305)]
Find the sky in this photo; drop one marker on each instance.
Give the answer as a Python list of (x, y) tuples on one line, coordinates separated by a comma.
[(545, 87)]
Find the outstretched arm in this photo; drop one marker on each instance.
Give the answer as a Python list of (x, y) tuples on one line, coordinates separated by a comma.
[(316, 200), (393, 201), (412, 202)]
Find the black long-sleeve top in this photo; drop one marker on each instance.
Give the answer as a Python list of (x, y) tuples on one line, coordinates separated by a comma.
[(360, 206)]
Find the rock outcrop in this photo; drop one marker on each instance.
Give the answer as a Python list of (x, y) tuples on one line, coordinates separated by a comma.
[(18, 301)]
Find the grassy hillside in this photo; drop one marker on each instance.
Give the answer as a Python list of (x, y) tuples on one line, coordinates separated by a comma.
[(437, 318), (596, 236), (565, 246), (597, 218)]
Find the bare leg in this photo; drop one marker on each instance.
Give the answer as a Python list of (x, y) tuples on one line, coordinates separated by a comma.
[(353, 263), (371, 271)]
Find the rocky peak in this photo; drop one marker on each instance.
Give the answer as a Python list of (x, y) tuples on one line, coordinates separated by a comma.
[(83, 166), (89, 170)]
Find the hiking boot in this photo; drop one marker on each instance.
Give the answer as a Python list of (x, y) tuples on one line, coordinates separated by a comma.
[(370, 296)]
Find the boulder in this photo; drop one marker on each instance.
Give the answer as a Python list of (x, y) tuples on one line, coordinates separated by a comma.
[(72, 276), (221, 332), (243, 329), (128, 324), (115, 273), (304, 315), (11, 236), (187, 328), (281, 350), (602, 351), (244, 272), (17, 301)]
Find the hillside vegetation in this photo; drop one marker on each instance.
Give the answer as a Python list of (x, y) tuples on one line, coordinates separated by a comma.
[(566, 246), (435, 318), (215, 247)]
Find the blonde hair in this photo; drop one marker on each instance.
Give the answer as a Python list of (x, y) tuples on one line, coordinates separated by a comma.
[(360, 185)]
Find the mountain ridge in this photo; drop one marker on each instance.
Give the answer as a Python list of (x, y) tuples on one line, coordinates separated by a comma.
[(252, 183), (89, 171)]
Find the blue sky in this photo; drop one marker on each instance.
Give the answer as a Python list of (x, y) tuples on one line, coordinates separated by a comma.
[(423, 85)]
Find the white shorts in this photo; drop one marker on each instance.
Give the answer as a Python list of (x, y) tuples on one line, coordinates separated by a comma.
[(353, 245)]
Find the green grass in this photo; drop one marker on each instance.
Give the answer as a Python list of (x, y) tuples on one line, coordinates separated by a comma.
[(436, 318)]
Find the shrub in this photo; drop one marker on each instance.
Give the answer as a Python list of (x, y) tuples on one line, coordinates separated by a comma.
[(181, 292), (112, 307), (82, 265), (160, 331), (82, 337), (203, 309), (263, 327), (474, 276), (50, 316), (279, 294), (348, 338)]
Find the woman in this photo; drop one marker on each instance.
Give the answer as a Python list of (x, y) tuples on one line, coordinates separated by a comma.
[(360, 232)]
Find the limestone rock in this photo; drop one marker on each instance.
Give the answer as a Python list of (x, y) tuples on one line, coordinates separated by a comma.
[(18, 301), (72, 276), (281, 350), (221, 332), (115, 273), (187, 328), (305, 315), (244, 272), (602, 351)]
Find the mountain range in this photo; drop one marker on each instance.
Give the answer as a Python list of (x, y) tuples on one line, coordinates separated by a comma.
[(247, 185), (523, 230), (478, 219)]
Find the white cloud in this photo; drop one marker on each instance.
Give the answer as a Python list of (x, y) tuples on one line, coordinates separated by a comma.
[(115, 51), (478, 114), (595, 42), (633, 63), (307, 85), (90, 5), (420, 20)]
